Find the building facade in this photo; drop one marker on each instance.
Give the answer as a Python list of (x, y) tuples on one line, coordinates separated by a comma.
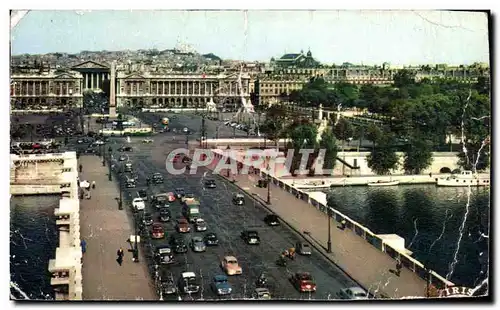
[(144, 89), (48, 90)]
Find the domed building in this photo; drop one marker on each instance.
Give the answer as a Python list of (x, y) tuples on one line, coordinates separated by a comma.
[(297, 60)]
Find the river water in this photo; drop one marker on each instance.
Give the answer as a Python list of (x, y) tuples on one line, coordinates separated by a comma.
[(429, 219), (33, 240)]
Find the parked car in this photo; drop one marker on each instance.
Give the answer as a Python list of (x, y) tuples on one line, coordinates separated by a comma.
[(200, 224), (221, 286), (272, 220), (238, 199), (211, 239), (231, 266), (250, 236), (356, 293), (188, 283), (303, 282), (157, 231), (182, 225), (303, 248), (164, 255), (197, 244)]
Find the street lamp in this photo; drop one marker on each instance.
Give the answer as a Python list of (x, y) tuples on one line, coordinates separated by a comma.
[(120, 202), (329, 244), (136, 248), (268, 201)]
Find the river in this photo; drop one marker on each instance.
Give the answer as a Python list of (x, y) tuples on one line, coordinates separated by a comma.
[(33, 240), (429, 218)]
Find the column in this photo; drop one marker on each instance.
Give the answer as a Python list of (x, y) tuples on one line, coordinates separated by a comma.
[(169, 88), (230, 88), (163, 88), (175, 88), (199, 88)]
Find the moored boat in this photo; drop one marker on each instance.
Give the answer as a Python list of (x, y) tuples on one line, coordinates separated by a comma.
[(465, 178), (384, 183)]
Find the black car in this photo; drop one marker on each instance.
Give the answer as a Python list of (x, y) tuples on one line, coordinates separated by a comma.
[(210, 183), (272, 220), (147, 218), (157, 178), (142, 194), (250, 236), (178, 244), (164, 255), (125, 149), (164, 215), (179, 193), (188, 283), (167, 283), (239, 199), (211, 239), (160, 201)]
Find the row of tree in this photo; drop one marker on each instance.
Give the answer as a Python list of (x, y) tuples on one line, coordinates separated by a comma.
[(426, 114)]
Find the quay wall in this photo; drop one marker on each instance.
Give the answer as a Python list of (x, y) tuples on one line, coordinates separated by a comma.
[(363, 232), (56, 174)]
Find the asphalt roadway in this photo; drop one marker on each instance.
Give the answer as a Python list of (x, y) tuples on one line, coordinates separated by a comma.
[(227, 221)]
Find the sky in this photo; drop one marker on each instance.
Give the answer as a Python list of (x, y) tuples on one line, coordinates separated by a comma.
[(334, 37)]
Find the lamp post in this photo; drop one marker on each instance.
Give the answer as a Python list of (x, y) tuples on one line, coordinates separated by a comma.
[(136, 248), (202, 129), (110, 176), (268, 201), (120, 202), (329, 244)]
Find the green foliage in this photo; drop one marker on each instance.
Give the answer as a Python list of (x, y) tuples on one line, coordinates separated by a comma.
[(343, 130), (374, 133), (120, 117), (383, 158), (418, 155), (471, 161), (404, 78), (329, 144)]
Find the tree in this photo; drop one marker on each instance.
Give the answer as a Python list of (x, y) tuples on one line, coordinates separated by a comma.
[(303, 136), (383, 158), (329, 144), (418, 155), (276, 123), (359, 134), (374, 134), (404, 78)]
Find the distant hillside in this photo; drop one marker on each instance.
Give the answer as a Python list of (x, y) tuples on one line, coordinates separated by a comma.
[(211, 56)]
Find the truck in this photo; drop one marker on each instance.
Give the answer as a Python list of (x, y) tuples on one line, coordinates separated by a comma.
[(191, 210)]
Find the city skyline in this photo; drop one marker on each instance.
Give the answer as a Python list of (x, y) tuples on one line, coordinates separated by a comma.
[(360, 37)]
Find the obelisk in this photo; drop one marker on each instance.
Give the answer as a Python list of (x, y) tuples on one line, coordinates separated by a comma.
[(112, 95)]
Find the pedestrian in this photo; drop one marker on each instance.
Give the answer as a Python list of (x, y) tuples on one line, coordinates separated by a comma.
[(120, 254), (399, 265), (430, 174), (80, 168), (343, 223), (93, 184), (83, 244)]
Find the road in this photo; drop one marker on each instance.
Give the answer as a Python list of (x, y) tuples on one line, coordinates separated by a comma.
[(227, 221)]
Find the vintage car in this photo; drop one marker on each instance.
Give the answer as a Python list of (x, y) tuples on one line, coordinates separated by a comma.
[(179, 193), (272, 220), (157, 178), (164, 215), (303, 248), (178, 244), (238, 199), (160, 201), (188, 283), (188, 197), (353, 293), (157, 231), (164, 255), (261, 293), (182, 225), (143, 194), (167, 284), (250, 237), (221, 286), (200, 224), (147, 218), (147, 140), (303, 282), (138, 204), (171, 197), (210, 183), (211, 239), (197, 244), (230, 265)]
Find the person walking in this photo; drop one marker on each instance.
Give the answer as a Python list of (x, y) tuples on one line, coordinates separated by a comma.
[(93, 184), (83, 244), (120, 255), (399, 265), (80, 168)]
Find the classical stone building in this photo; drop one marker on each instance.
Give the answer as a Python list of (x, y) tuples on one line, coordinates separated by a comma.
[(53, 89), (145, 89), (93, 73)]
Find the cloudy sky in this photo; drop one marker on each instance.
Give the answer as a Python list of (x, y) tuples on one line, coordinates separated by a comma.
[(369, 37)]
